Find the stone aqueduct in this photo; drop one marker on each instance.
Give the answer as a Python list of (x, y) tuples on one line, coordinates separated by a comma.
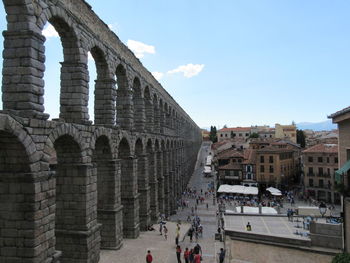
[(69, 187)]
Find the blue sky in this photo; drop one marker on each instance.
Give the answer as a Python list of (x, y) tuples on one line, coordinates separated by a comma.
[(233, 62)]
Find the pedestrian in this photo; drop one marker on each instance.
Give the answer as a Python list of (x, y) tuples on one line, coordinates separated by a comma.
[(197, 249), (191, 256), (197, 258), (187, 255), (222, 255), (249, 227), (165, 230), (207, 206), (160, 227), (178, 254), (190, 233), (149, 258)]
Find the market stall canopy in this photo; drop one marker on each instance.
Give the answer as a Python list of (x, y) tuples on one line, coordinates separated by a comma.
[(238, 189), (274, 191)]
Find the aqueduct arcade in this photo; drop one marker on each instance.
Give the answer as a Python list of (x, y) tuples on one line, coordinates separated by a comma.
[(70, 187)]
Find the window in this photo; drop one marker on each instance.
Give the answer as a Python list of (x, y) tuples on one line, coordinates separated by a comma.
[(320, 183), (247, 134), (225, 134), (271, 169), (262, 159), (320, 171), (311, 170), (239, 160), (249, 168), (240, 134), (249, 177), (320, 159), (311, 182), (336, 159), (233, 160), (327, 159), (270, 159), (262, 169), (310, 159), (221, 135)]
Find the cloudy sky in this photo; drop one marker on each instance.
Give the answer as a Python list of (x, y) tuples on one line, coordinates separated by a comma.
[(234, 62)]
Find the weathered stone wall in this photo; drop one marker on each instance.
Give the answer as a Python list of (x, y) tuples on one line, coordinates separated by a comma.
[(68, 187)]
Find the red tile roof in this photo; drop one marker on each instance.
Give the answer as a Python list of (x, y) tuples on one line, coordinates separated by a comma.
[(322, 148), (237, 129), (230, 153)]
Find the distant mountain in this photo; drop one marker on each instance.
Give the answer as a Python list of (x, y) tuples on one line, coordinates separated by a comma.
[(317, 126)]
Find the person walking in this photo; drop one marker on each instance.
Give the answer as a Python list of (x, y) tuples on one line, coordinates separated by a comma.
[(187, 255), (149, 258), (221, 255), (191, 256), (178, 254), (190, 233), (165, 230), (197, 258)]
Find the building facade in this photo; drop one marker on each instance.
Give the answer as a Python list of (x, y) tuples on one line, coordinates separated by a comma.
[(286, 132), (320, 162)]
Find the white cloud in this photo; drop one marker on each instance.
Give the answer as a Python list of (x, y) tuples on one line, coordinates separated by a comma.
[(50, 31), (188, 70), (157, 75), (140, 48)]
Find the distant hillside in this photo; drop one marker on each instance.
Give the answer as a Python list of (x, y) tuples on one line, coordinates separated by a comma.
[(317, 126)]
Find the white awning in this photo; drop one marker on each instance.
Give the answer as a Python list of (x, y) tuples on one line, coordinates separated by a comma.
[(274, 191), (207, 169), (238, 189)]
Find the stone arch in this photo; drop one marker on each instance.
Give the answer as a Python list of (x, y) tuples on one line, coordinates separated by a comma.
[(73, 213), (105, 92), (149, 110), (139, 106), (125, 113), (16, 207), (107, 183), (74, 72), (129, 193)]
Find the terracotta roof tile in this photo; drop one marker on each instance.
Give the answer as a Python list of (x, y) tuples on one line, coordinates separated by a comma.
[(322, 148), (237, 129)]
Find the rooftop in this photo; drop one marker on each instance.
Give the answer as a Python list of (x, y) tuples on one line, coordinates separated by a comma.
[(322, 148), (237, 129), (340, 112)]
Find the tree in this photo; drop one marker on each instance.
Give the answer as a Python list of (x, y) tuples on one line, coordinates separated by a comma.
[(212, 135), (254, 135), (301, 138), (341, 258), (225, 126)]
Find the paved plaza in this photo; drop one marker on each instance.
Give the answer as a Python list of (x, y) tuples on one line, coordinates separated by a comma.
[(267, 225)]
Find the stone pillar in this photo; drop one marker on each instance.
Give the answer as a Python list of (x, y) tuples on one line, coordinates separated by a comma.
[(77, 231), (109, 212), (23, 71), (27, 209), (105, 93), (162, 120), (125, 112), (144, 191), (139, 114), (74, 92), (156, 118), (167, 194), (161, 204), (153, 182), (130, 198), (150, 119)]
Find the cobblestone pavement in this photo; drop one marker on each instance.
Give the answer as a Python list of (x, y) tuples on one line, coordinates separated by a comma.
[(163, 251)]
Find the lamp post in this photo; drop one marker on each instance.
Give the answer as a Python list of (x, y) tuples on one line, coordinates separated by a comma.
[(323, 209)]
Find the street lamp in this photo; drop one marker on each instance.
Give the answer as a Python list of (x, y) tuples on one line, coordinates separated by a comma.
[(323, 209)]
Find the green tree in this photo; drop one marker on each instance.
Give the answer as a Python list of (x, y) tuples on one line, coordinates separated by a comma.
[(301, 138), (213, 134), (225, 126), (254, 135), (341, 258)]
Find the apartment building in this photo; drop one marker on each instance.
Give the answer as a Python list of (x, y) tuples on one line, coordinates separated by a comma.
[(320, 162)]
